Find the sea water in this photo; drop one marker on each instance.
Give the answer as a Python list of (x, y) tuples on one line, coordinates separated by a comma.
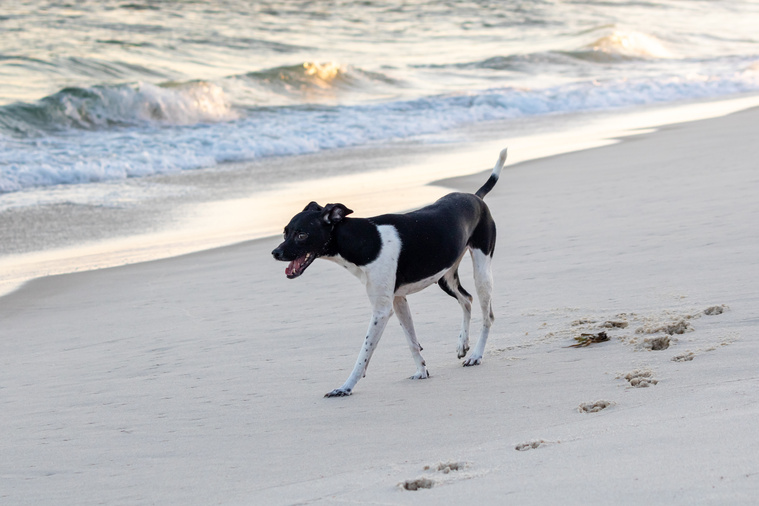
[(132, 130), (104, 90)]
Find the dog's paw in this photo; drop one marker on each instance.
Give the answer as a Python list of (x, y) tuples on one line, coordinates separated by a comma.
[(421, 375), (472, 361), (461, 351), (339, 392)]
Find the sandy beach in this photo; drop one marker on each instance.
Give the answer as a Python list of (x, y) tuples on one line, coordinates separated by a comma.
[(199, 379)]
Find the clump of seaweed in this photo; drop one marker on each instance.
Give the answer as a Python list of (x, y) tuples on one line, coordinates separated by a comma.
[(588, 339)]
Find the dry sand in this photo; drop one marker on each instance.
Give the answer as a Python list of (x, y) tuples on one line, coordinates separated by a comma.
[(199, 379)]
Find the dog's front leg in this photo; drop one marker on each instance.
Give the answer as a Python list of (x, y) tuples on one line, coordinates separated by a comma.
[(380, 316)]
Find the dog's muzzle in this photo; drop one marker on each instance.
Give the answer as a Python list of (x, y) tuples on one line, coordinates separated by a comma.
[(296, 266)]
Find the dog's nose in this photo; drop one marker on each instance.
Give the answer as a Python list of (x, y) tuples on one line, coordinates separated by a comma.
[(277, 254)]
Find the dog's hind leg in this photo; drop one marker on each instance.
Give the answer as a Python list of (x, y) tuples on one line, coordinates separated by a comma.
[(402, 311), (451, 285), (483, 280)]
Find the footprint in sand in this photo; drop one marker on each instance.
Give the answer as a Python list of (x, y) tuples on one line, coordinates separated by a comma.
[(530, 445), (640, 378), (417, 484), (685, 357), (610, 324), (447, 467), (650, 332), (594, 407), (439, 468), (657, 343), (678, 326)]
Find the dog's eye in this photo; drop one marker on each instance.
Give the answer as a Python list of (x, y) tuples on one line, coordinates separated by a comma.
[(301, 236)]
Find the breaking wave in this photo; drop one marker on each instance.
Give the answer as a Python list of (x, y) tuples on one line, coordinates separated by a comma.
[(310, 82), (191, 103), (104, 107), (623, 45), (191, 126)]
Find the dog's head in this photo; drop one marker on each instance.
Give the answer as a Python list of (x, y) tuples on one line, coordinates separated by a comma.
[(308, 236)]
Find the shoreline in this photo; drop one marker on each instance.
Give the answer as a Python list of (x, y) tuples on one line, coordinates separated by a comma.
[(199, 379), (408, 178)]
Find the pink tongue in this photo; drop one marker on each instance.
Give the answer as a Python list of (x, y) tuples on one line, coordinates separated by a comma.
[(294, 265)]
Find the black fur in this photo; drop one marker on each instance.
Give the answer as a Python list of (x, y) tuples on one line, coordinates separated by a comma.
[(423, 247), (434, 237)]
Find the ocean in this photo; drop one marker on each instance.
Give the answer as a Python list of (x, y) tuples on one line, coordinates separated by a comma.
[(131, 120), (105, 90)]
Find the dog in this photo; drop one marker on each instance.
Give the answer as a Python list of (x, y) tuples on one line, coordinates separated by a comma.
[(395, 255)]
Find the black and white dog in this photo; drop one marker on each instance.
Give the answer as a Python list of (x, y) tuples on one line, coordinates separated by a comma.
[(395, 255)]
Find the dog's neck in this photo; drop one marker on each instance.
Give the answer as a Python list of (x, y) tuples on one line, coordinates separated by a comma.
[(356, 240)]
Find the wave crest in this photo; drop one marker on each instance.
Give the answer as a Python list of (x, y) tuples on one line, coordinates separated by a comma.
[(615, 46), (102, 107), (316, 82), (623, 45)]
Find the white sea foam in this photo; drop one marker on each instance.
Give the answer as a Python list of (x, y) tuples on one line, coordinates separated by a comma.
[(152, 148)]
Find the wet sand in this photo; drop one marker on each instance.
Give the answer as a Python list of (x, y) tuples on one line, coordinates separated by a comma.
[(199, 379)]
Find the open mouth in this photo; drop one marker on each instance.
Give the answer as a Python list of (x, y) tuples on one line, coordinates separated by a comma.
[(299, 265)]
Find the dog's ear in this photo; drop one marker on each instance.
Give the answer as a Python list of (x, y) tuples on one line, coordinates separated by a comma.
[(334, 213), (313, 206)]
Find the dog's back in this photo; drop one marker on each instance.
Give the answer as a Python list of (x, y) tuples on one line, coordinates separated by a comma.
[(434, 237)]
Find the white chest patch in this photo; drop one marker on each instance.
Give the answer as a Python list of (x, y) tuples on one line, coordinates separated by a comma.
[(354, 269), (378, 276)]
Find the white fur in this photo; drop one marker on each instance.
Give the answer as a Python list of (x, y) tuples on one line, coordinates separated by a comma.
[(500, 162), (379, 279), (483, 281)]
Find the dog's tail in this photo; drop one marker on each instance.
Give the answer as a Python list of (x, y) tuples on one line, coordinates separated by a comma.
[(493, 179)]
